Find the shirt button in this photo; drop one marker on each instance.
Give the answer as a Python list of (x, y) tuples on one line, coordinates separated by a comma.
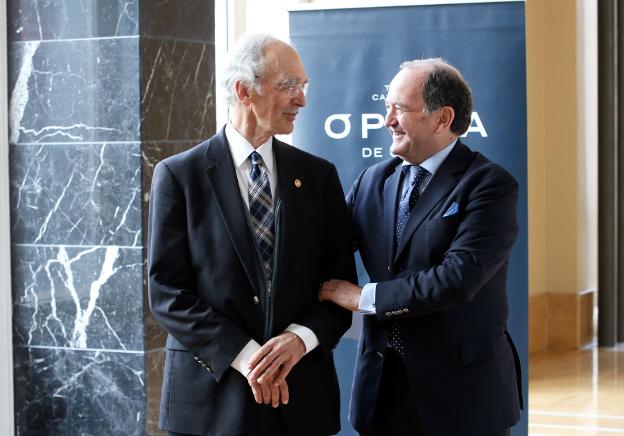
[(256, 300)]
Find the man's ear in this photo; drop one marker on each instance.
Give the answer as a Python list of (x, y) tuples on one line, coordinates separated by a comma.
[(243, 93), (446, 115)]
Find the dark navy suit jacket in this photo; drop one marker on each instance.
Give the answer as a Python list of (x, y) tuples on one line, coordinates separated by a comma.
[(206, 287), (445, 284)]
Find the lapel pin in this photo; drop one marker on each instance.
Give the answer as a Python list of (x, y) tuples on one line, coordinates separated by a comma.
[(298, 183)]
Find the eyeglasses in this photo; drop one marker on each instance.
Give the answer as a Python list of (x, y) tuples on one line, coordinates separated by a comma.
[(293, 86)]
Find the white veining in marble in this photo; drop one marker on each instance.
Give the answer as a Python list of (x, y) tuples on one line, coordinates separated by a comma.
[(54, 209), (83, 316), (126, 13), (65, 282), (72, 132), (20, 93)]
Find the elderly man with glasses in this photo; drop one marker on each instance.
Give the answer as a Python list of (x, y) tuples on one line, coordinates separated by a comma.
[(243, 230)]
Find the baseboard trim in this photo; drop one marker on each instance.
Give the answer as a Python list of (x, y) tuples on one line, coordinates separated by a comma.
[(561, 321)]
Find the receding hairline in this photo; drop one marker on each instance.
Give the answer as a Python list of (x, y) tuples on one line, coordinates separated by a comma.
[(276, 51), (429, 65)]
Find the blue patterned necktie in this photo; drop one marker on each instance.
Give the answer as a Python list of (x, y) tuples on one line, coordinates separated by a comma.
[(416, 176), (261, 211)]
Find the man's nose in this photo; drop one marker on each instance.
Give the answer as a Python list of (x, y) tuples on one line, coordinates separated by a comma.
[(390, 119), (299, 99)]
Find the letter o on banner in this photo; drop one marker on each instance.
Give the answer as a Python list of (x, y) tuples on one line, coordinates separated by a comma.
[(347, 126)]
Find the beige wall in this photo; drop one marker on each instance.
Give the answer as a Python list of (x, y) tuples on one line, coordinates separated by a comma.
[(536, 122), (562, 170), (562, 148)]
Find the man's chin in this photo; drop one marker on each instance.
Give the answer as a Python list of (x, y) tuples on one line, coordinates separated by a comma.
[(286, 129), (397, 149)]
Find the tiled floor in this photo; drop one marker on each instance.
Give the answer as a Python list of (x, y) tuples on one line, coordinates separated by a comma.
[(577, 393)]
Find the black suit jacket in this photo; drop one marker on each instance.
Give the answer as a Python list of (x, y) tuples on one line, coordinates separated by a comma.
[(446, 286), (207, 290)]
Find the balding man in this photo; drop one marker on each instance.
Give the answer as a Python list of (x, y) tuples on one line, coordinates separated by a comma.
[(243, 230), (435, 226)]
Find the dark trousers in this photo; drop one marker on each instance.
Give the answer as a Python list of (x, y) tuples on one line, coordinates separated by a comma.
[(396, 414), (270, 422)]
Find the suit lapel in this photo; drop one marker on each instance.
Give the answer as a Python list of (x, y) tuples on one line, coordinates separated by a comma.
[(443, 181), (288, 169), (390, 199), (224, 184)]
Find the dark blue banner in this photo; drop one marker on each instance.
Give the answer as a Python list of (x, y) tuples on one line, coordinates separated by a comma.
[(351, 55)]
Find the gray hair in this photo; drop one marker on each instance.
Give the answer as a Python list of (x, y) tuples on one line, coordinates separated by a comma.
[(445, 86), (246, 61)]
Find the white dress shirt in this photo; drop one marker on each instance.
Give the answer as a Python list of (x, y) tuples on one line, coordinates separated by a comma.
[(241, 149), (366, 305)]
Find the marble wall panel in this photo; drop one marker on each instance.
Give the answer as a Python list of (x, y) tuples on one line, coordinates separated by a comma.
[(76, 194), (74, 91), (29, 20), (177, 90), (178, 19), (75, 392), (78, 297), (92, 109)]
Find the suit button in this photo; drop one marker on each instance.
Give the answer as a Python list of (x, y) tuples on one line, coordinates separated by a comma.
[(256, 300), (388, 268)]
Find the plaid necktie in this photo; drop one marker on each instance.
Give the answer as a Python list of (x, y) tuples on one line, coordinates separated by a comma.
[(416, 175), (261, 211)]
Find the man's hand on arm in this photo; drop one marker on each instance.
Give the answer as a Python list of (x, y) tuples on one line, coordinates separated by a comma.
[(344, 294)]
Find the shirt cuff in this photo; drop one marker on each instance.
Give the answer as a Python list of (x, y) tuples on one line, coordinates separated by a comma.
[(241, 362), (307, 336), (366, 305)]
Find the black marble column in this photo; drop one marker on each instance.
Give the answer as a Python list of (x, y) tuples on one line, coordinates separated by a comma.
[(99, 92)]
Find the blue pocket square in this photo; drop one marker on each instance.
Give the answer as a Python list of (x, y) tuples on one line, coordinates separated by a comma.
[(451, 210)]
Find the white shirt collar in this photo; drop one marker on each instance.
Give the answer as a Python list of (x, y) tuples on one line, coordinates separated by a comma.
[(432, 163), (241, 148)]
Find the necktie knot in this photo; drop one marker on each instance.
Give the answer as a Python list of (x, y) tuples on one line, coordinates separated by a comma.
[(256, 161), (416, 175), (256, 158)]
